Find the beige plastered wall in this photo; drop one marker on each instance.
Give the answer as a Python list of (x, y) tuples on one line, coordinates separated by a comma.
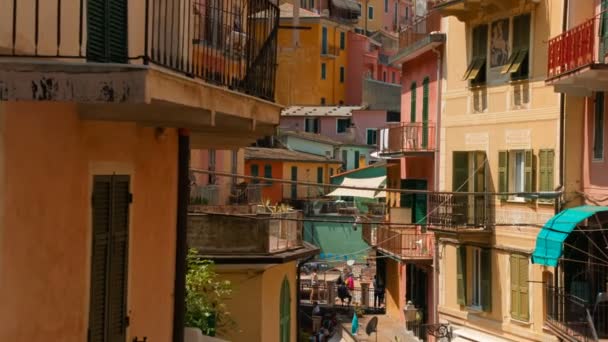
[(49, 157)]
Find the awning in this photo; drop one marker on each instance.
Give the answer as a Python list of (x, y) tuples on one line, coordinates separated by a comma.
[(550, 240), (347, 5), (375, 182)]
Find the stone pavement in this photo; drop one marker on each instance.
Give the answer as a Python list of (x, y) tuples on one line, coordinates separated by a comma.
[(388, 329)]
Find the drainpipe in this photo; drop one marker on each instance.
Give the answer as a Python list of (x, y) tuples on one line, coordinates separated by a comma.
[(436, 182), (181, 246), (299, 270)]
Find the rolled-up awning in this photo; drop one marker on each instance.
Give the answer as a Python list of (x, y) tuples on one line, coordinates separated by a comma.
[(550, 240), (347, 5), (375, 182)]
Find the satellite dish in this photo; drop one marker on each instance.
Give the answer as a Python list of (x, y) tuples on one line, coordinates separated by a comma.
[(371, 326), (350, 262)]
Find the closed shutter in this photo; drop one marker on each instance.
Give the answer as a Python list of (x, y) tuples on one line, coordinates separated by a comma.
[(546, 161), (255, 172), (503, 172), (520, 300), (529, 171), (460, 175), (515, 293), (357, 154), (268, 172), (107, 31), (486, 280), (604, 30), (319, 175), (413, 102), (109, 260), (117, 31), (425, 112), (342, 40), (324, 41), (461, 271), (96, 31)]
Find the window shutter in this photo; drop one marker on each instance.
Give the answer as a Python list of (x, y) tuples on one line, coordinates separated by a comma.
[(413, 102), (97, 31), (461, 270), (486, 280), (460, 172), (268, 172), (117, 31), (503, 172), (320, 175), (307, 125), (255, 172), (357, 154), (315, 126), (117, 301), (524, 304), (99, 268), (549, 165), (515, 292), (604, 30), (529, 171), (425, 112), (546, 162)]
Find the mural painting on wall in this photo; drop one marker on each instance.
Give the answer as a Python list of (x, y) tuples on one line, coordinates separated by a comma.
[(499, 43)]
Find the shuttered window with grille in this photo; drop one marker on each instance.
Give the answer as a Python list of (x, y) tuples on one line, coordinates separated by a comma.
[(107, 31)]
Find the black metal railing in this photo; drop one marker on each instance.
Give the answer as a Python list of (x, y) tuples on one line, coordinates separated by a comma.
[(230, 43), (440, 331), (569, 314), (456, 211)]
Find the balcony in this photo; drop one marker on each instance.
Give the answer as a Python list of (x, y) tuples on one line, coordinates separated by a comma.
[(330, 51), (569, 317), (199, 63), (407, 139), (419, 37), (405, 242), (251, 236), (226, 194), (460, 212), (378, 95), (576, 63), (347, 11)]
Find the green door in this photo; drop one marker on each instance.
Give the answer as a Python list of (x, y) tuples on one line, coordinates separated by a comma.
[(418, 202), (604, 31), (294, 186), (425, 113)]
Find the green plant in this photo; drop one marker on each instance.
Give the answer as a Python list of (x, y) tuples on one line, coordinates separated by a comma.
[(359, 310), (204, 296)]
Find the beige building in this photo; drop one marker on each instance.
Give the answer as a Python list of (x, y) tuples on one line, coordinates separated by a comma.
[(500, 129)]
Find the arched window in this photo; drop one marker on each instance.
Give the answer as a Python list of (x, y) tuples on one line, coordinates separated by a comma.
[(285, 312)]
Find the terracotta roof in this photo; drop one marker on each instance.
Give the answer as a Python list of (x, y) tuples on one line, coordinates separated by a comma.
[(287, 12), (312, 137), (320, 110), (285, 154)]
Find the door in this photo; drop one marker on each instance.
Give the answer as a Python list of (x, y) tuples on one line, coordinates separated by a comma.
[(107, 31), (109, 259), (418, 202), (294, 186)]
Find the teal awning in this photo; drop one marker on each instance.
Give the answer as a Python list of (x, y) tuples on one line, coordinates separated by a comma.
[(550, 240)]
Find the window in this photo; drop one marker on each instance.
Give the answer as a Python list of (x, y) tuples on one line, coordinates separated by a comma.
[(312, 4), (413, 102), (107, 43), (546, 161), (469, 171), (341, 74), (425, 112), (342, 40), (285, 312), (479, 287), (520, 301), (598, 128), (109, 262), (396, 16), (268, 173), (370, 13), (323, 71), (393, 116), (518, 64), (211, 166), (294, 186), (476, 72), (319, 175), (255, 172), (344, 159), (384, 76), (357, 159), (393, 78), (515, 171), (372, 136), (342, 125), (323, 101), (311, 125), (385, 6), (324, 41)]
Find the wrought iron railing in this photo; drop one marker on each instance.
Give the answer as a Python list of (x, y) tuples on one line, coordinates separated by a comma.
[(569, 314), (573, 49), (439, 331), (408, 137), (226, 194), (419, 29), (457, 211), (405, 242), (230, 43)]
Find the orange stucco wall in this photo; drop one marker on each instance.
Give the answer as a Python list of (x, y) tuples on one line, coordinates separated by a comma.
[(395, 288), (48, 157), (273, 192)]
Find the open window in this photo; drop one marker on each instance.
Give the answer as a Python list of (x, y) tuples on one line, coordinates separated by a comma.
[(476, 72), (518, 63), (515, 172)]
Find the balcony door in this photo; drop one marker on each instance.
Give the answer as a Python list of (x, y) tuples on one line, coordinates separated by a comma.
[(107, 31), (417, 202)]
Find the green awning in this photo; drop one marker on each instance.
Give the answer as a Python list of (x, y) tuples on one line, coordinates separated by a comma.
[(550, 240)]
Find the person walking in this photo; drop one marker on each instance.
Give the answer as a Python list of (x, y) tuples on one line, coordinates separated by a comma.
[(378, 292)]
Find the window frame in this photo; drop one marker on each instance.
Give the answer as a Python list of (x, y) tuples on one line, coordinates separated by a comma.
[(476, 288), (370, 12), (375, 136)]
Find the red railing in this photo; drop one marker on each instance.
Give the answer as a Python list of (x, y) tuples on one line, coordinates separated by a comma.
[(419, 29), (405, 242), (408, 137), (572, 49)]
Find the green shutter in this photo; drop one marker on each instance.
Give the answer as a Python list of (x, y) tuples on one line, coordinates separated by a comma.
[(461, 271), (117, 31), (413, 102), (107, 31), (528, 171), (285, 312), (97, 31), (503, 172), (255, 172), (524, 304), (342, 40), (357, 155), (515, 293), (486, 279), (604, 30), (460, 174), (268, 172), (546, 165), (425, 112), (320, 175)]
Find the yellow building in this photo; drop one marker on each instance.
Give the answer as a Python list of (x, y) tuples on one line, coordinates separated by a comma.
[(311, 58), (499, 133)]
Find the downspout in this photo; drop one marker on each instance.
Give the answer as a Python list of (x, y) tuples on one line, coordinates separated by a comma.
[(181, 245), (436, 183), (298, 280)]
